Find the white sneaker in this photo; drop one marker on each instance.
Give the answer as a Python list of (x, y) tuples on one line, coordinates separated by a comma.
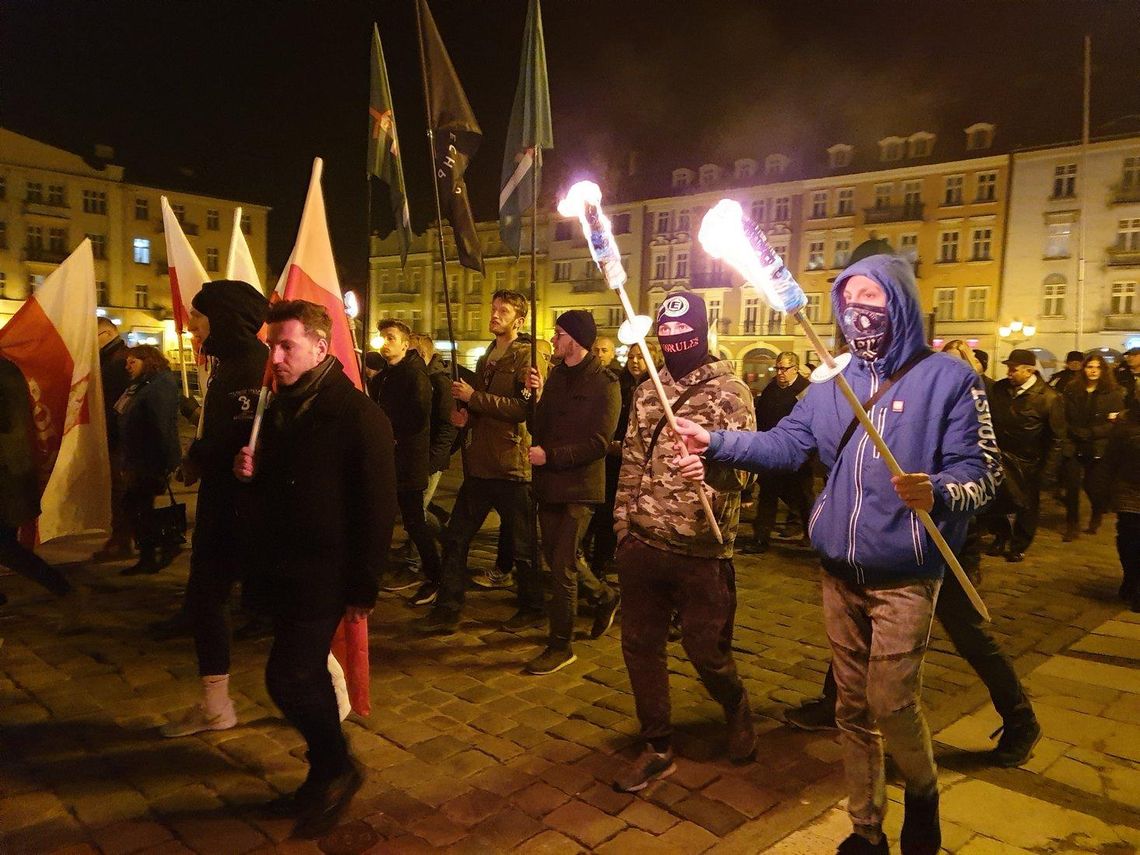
[(197, 720)]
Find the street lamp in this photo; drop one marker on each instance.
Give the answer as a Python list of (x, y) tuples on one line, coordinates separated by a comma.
[(1016, 332)]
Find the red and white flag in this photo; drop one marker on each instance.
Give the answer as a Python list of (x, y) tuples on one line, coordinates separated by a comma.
[(186, 272), (310, 274), (240, 264), (52, 340)]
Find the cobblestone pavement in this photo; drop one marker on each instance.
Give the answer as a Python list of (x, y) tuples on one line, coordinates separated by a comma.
[(467, 754)]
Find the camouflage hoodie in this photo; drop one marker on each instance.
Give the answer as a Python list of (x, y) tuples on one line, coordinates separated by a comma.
[(654, 503)]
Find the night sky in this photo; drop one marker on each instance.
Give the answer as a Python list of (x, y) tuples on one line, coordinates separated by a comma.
[(246, 92)]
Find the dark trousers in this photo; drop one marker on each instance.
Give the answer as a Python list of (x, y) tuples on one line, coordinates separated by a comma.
[(477, 497), (654, 584), (1128, 548), (207, 595), (138, 505), (297, 678), (22, 560), (562, 528), (601, 530), (1025, 517), (411, 504), (977, 645), (1092, 475), (122, 529), (794, 489)]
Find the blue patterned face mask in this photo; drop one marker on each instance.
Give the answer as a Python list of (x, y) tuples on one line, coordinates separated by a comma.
[(867, 330)]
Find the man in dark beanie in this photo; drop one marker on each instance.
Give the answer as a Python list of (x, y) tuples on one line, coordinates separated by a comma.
[(574, 419), (1074, 359), (226, 316), (668, 557)]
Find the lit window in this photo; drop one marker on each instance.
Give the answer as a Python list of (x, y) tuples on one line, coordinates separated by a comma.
[(912, 194), (811, 310), (1129, 179), (142, 251), (1053, 293), (1128, 235), (1057, 244), (977, 299)]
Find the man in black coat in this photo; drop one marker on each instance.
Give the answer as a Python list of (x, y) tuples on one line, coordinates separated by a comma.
[(226, 316), (324, 481), (113, 370), (404, 393), (574, 420), (1029, 420), (1074, 359), (793, 488)]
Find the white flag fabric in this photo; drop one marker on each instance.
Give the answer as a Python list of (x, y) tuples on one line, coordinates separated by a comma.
[(310, 274), (186, 272), (240, 263), (53, 340)]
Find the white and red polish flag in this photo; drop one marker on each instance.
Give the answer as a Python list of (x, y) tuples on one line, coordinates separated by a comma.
[(52, 339), (186, 272), (310, 274), (240, 264)]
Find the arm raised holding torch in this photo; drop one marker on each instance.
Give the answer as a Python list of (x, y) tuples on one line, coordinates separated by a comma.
[(584, 201)]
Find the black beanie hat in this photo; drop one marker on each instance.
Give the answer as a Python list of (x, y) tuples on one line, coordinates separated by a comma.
[(580, 326)]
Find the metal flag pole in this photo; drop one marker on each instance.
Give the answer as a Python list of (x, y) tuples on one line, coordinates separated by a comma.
[(584, 202), (725, 233)]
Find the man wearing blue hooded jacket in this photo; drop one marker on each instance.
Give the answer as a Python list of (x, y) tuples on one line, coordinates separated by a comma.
[(882, 573)]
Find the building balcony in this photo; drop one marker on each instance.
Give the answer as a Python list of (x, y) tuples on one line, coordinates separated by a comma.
[(44, 255), (711, 279), (1122, 322), (587, 286), (1125, 195), (47, 209), (909, 212), (1116, 257)]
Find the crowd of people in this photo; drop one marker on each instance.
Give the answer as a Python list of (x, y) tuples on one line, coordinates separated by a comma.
[(570, 446)]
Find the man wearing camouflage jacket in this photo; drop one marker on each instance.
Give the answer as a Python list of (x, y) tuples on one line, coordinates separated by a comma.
[(668, 557)]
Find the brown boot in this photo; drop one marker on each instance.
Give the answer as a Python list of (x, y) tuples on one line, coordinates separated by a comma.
[(741, 731)]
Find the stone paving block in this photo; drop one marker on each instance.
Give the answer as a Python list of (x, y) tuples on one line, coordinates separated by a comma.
[(569, 779), (1114, 677), (716, 816), (539, 799), (104, 803), (400, 807), (56, 834), (437, 748), (584, 823), (473, 807), (742, 795), (604, 798), (195, 799), (1077, 775), (649, 817), (505, 830), (498, 748), (633, 840), (215, 833), (438, 830), (493, 723), (561, 751), (436, 790), (526, 736), (501, 779), (664, 793), (550, 843), (686, 838), (692, 775), (28, 809)]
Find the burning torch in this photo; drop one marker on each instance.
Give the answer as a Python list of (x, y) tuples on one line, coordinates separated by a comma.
[(726, 233), (584, 201)]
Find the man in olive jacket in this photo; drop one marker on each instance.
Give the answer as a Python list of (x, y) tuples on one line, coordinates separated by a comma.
[(573, 422), (496, 469)]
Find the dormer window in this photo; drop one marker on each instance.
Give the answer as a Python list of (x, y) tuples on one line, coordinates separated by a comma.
[(891, 148), (840, 155), (775, 164), (920, 144), (745, 168), (683, 178), (979, 136), (710, 174)]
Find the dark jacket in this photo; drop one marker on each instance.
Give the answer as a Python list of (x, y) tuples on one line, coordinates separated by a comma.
[(148, 428), (19, 482), (935, 420), (498, 441), (774, 402), (325, 485), (1086, 420), (1061, 379), (1029, 426), (1122, 462), (403, 392), (113, 370), (574, 421), (443, 432)]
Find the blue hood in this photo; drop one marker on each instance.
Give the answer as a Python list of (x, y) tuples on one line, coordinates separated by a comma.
[(896, 276)]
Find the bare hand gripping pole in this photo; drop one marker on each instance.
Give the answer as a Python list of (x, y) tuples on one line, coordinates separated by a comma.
[(726, 233), (584, 201)]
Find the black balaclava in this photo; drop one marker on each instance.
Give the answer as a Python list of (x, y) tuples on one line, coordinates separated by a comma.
[(685, 351)]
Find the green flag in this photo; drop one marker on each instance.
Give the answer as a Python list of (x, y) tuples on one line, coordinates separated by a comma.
[(383, 146), (528, 133)]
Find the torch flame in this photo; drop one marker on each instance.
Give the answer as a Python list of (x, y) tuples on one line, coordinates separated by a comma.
[(723, 235), (584, 201), (581, 194)]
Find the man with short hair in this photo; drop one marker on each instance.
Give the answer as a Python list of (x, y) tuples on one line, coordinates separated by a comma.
[(496, 469), (404, 393), (794, 489), (325, 480), (573, 422), (113, 370), (606, 352), (668, 557), (1029, 419), (1074, 359), (882, 573), (1129, 374)]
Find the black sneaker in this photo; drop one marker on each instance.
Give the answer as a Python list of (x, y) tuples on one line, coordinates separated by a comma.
[(921, 831), (426, 595), (997, 548), (325, 808), (752, 547), (402, 578), (814, 715), (524, 619), (604, 615), (647, 768), (549, 661), (1016, 744), (438, 620), (857, 844)]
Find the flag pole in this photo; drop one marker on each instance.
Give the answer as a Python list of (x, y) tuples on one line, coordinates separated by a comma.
[(435, 193), (534, 548), (366, 311)]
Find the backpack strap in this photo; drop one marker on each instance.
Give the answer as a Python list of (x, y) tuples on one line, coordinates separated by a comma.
[(681, 399)]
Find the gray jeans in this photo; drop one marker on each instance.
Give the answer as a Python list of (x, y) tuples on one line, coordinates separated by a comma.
[(878, 640)]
